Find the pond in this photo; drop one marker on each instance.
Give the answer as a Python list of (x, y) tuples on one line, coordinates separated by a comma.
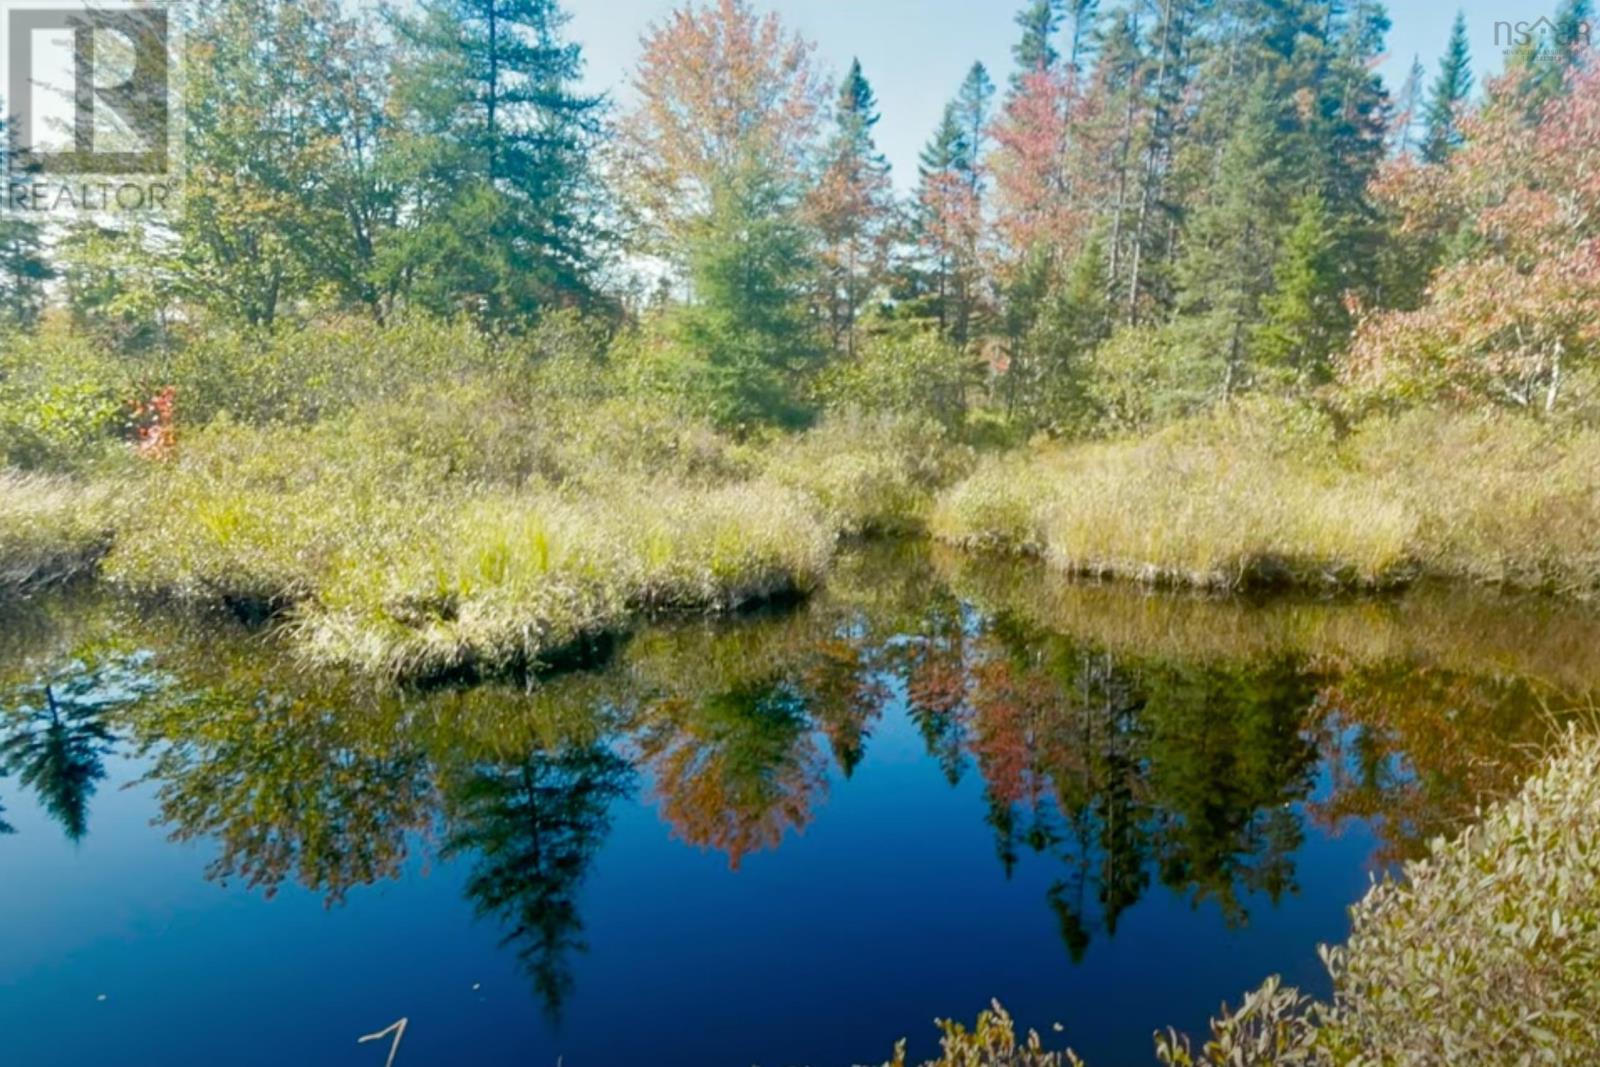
[(787, 838)]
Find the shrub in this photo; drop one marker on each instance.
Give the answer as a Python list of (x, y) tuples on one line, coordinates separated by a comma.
[(64, 403), (870, 474), (907, 370), (299, 373)]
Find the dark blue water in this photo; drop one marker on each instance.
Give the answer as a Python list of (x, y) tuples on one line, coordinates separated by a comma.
[(790, 839)]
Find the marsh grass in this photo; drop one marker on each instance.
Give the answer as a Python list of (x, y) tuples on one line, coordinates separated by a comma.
[(51, 528), (470, 533), (1249, 498)]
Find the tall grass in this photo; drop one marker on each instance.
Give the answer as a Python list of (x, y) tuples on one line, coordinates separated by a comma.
[(468, 531), (1261, 497), (50, 528)]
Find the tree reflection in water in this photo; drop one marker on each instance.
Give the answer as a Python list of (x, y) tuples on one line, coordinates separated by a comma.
[(55, 732), (530, 831), (1124, 741)]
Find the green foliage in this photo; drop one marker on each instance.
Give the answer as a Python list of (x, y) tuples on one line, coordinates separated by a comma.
[(903, 369), (1227, 268), (1146, 376), (869, 474), (63, 401), (1305, 317), (496, 138), (299, 373), (1450, 91), (743, 344)]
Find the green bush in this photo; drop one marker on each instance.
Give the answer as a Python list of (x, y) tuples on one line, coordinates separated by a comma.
[(870, 474), (64, 402), (903, 370), (299, 373)]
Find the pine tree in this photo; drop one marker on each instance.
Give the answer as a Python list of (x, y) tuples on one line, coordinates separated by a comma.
[(974, 107), (1039, 21), (1305, 316), (1081, 41), (1230, 248), (501, 139), (852, 205), (1450, 90)]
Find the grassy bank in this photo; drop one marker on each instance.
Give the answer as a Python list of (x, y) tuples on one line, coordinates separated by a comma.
[(467, 530), (1260, 497), (50, 529), (1487, 951)]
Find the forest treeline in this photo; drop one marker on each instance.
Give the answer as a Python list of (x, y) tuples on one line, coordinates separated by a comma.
[(1162, 205)]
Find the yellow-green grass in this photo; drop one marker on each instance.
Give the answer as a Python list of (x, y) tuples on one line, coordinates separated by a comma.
[(1243, 498), (50, 528), (424, 555)]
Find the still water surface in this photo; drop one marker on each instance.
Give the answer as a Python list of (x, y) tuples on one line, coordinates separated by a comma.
[(789, 838)]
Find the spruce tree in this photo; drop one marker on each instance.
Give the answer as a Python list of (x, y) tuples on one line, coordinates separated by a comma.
[(1450, 90), (852, 205), (974, 104), (1305, 316), (1037, 51), (500, 137), (1228, 257)]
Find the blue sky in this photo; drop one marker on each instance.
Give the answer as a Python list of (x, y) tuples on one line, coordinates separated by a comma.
[(915, 52)]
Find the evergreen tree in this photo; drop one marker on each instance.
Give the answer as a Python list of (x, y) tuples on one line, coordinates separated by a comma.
[(974, 107), (746, 332), (1228, 256), (1082, 14), (1450, 90), (24, 270), (852, 205), (1075, 320), (943, 175), (1305, 316), (1036, 51), (499, 138)]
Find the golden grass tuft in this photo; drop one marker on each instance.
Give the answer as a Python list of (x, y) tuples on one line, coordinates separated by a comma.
[(51, 528), (1219, 502)]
